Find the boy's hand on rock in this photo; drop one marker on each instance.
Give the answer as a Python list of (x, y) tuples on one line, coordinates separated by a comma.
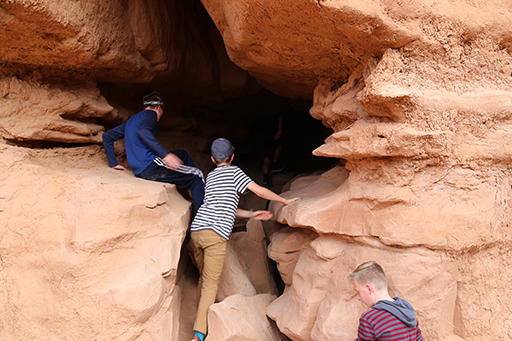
[(261, 215), (289, 201)]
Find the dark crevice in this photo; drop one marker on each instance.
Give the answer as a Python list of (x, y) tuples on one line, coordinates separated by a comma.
[(38, 144)]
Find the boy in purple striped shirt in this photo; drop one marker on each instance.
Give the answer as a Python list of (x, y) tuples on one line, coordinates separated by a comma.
[(389, 319)]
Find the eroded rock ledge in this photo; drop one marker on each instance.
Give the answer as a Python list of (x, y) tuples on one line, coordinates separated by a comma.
[(421, 115)]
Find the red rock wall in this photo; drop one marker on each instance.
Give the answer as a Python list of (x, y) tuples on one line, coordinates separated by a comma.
[(419, 97), (54, 58)]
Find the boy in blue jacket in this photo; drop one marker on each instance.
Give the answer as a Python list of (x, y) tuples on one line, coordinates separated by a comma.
[(147, 158)]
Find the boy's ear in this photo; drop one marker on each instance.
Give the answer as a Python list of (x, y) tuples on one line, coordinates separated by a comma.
[(213, 160), (370, 287), (232, 157)]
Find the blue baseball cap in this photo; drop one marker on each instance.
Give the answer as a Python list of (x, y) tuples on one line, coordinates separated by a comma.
[(222, 148)]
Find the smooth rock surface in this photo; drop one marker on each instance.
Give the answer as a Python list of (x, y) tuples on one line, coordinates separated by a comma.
[(87, 253), (242, 318)]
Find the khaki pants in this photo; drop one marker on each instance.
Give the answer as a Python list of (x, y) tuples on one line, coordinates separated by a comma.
[(209, 253)]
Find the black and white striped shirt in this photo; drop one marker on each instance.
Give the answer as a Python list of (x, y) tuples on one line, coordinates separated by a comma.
[(222, 192)]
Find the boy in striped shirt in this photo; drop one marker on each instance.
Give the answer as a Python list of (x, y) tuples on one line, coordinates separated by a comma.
[(214, 221), (390, 319)]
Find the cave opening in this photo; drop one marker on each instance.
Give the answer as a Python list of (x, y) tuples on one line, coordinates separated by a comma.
[(209, 96)]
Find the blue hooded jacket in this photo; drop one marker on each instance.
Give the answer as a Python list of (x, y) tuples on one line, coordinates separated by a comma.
[(400, 308)]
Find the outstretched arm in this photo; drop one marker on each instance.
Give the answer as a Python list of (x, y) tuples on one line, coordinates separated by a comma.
[(109, 137), (265, 193), (256, 215)]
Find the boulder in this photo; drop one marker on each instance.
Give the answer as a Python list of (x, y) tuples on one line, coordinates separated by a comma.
[(242, 318), (95, 257)]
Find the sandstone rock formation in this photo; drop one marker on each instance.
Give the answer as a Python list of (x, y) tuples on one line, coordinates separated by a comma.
[(418, 94), (54, 59), (419, 98), (31, 111), (242, 318), (86, 253)]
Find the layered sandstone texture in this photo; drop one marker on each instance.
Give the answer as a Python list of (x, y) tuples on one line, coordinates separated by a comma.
[(418, 94), (53, 56), (419, 97)]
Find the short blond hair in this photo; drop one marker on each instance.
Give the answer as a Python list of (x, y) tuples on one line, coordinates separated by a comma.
[(370, 272)]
